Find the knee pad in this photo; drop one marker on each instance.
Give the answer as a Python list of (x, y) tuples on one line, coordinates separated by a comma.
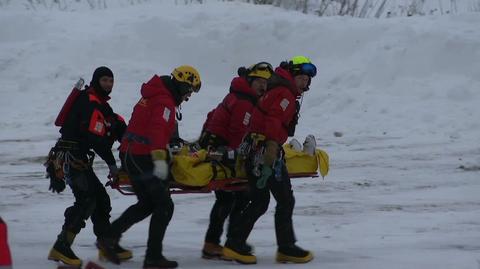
[(74, 221)]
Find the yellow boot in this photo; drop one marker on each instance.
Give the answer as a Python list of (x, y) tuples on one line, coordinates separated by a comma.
[(238, 252), (61, 250), (293, 254), (212, 251), (123, 254)]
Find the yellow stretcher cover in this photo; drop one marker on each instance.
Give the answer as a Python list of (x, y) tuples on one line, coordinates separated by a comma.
[(191, 169), (301, 162)]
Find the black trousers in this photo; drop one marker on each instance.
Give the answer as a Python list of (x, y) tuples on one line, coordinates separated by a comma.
[(227, 204), (91, 201), (281, 190), (153, 199)]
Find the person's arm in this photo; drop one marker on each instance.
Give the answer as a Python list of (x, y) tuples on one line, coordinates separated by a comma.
[(162, 125), (95, 131), (278, 114)]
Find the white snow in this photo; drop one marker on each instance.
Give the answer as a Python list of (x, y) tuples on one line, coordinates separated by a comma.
[(403, 92)]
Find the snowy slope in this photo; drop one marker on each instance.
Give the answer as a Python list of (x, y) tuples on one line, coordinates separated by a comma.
[(403, 92)]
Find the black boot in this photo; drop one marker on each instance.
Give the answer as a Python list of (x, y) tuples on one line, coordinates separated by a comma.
[(159, 263), (107, 246), (293, 254), (239, 252), (62, 251)]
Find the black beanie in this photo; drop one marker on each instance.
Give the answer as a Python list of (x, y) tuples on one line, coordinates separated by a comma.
[(101, 71)]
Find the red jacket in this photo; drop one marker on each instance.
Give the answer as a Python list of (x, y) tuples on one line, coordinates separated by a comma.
[(153, 119), (276, 109), (231, 118)]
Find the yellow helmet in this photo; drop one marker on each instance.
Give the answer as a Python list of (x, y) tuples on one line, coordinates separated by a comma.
[(260, 70), (189, 75)]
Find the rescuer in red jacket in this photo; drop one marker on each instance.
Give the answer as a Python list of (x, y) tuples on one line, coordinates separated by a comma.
[(273, 119), (144, 155), (223, 131)]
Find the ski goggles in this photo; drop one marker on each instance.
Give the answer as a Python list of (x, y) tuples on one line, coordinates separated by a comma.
[(263, 66), (188, 87), (261, 70), (184, 88), (308, 69)]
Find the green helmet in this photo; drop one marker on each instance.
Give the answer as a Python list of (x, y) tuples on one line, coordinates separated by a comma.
[(301, 65), (297, 60)]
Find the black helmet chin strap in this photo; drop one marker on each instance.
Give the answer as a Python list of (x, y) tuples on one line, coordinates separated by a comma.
[(300, 105), (178, 113)]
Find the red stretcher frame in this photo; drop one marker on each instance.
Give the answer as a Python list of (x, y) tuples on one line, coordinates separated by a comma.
[(229, 184)]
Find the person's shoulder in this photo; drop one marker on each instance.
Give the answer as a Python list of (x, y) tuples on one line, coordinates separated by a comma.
[(281, 91), (82, 98), (163, 98)]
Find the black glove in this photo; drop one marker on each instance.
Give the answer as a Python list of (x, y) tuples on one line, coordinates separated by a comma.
[(175, 145), (113, 175), (56, 185), (228, 155), (194, 147)]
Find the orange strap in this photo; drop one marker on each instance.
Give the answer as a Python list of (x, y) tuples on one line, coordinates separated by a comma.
[(97, 123)]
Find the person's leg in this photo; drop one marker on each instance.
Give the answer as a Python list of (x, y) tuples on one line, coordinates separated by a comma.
[(136, 212), (220, 211), (101, 218), (134, 166), (241, 226), (75, 217), (162, 214), (283, 194), (101, 213), (240, 201)]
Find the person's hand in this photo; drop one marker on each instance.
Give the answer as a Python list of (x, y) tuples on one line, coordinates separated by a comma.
[(271, 152), (113, 174), (160, 169), (265, 175), (56, 185), (160, 164)]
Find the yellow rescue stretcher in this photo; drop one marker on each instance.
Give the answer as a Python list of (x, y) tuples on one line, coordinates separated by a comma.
[(197, 172)]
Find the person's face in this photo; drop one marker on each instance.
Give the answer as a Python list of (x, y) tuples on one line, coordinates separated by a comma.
[(185, 97), (259, 85), (106, 83), (301, 81)]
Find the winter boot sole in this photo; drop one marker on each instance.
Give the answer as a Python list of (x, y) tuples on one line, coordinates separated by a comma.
[(123, 256), (214, 256), (240, 258), (55, 255), (282, 258), (109, 253)]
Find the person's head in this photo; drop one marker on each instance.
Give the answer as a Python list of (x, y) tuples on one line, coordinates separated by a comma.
[(257, 76), (102, 80), (302, 70), (186, 80)]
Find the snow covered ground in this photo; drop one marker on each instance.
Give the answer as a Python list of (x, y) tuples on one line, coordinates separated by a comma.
[(402, 92)]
